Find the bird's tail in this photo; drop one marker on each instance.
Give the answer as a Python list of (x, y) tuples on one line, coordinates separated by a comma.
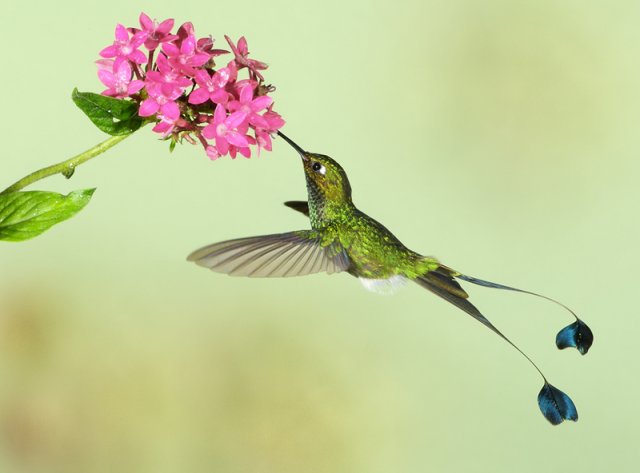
[(577, 335), (554, 404)]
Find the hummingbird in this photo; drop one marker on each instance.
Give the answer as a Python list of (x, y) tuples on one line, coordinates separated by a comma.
[(344, 239)]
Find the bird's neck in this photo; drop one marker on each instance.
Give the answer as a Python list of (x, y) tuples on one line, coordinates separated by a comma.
[(323, 210)]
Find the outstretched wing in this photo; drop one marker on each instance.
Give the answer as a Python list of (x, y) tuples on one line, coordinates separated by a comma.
[(281, 255)]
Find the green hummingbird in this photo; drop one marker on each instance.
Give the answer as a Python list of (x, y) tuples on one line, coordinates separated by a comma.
[(345, 239)]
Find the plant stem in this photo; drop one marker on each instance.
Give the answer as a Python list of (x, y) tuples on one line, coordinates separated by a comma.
[(65, 167)]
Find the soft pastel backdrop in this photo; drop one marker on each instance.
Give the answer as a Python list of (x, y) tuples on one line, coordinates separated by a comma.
[(500, 136)]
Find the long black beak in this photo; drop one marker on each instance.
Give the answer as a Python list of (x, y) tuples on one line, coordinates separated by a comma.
[(303, 153)]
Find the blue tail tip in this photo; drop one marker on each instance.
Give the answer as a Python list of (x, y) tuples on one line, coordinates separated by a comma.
[(555, 405), (577, 335)]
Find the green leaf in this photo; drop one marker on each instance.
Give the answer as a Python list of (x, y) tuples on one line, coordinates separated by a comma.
[(113, 116), (24, 215)]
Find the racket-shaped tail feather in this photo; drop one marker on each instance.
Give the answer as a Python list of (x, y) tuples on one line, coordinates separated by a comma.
[(554, 404), (577, 335)]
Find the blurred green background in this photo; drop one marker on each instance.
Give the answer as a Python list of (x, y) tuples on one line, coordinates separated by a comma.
[(500, 136)]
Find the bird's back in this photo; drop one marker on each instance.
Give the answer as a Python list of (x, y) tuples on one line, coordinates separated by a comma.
[(374, 251)]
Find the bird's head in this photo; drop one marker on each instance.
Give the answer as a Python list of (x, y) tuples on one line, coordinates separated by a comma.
[(324, 175)]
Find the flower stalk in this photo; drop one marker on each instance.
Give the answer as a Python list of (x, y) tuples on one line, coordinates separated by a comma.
[(65, 167)]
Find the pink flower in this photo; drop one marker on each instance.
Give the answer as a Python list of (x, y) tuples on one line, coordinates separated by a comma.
[(158, 101), (105, 64), (205, 45), (171, 80), (185, 58), (244, 151), (223, 129), (211, 87), (263, 139), (263, 136), (156, 33), (125, 47), (274, 120), (212, 152), (186, 29), (118, 79), (187, 96), (241, 52), (169, 116), (250, 106)]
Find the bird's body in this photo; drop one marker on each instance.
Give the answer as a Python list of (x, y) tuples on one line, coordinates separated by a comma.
[(376, 256), (374, 252), (345, 239)]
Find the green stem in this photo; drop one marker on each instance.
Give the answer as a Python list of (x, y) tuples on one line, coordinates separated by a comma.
[(65, 167)]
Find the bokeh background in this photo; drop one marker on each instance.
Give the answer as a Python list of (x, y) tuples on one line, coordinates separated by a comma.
[(500, 136)]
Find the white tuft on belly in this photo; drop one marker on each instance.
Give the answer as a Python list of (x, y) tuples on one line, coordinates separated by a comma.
[(384, 286)]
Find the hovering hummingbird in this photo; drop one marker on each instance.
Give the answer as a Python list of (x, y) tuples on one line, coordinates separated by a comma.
[(344, 239)]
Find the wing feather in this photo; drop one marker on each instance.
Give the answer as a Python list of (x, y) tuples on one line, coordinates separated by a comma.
[(279, 255), (251, 261)]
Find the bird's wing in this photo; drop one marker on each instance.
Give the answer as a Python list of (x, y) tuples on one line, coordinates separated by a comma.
[(301, 206), (286, 254)]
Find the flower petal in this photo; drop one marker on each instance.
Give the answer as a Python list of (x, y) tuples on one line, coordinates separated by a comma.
[(236, 119), (243, 48), (138, 57), (148, 107), (264, 140), (219, 114), (245, 151), (145, 22), (109, 51), (163, 128), (221, 77), (246, 94), (134, 87), (188, 46), (170, 110), (165, 26), (220, 96), (122, 34), (170, 49), (258, 121), (260, 103), (199, 96), (222, 145), (202, 77), (209, 131), (236, 139), (107, 78), (212, 152), (275, 120), (198, 59)]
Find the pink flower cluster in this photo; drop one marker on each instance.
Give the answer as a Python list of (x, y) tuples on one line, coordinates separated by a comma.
[(176, 81)]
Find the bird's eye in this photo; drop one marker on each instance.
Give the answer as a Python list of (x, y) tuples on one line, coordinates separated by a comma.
[(319, 168)]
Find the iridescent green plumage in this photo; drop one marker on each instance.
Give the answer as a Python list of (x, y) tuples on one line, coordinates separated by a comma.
[(344, 239), (374, 252), (366, 248)]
